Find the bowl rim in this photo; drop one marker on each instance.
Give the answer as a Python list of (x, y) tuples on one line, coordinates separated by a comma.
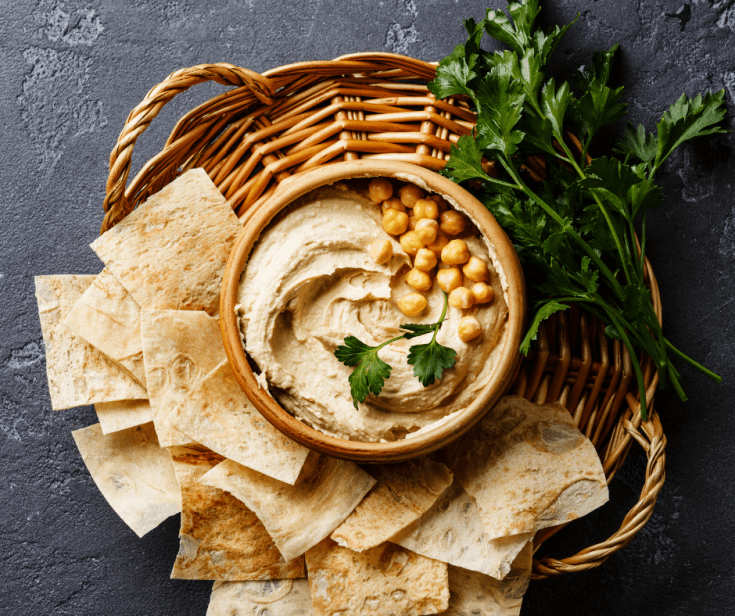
[(449, 428)]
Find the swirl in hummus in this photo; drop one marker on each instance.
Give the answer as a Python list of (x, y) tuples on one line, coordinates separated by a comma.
[(310, 282)]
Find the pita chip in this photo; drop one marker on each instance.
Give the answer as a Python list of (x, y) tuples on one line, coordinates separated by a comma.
[(386, 579), (218, 414), (475, 594), (297, 516), (108, 317), (403, 493), (266, 598), (180, 347), (116, 416), (78, 373), (170, 252), (527, 467), (133, 472), (220, 538), (452, 532)]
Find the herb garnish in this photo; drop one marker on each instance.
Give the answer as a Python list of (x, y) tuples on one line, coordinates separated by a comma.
[(428, 360), (575, 232)]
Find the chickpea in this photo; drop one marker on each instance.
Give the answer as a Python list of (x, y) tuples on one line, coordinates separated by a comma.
[(424, 208), (468, 329), (412, 304), (438, 244), (419, 280), (411, 242), (456, 253), (393, 204), (425, 260), (452, 222), (426, 229), (381, 251), (379, 190), (482, 293), (440, 202), (449, 279), (410, 194), (412, 222), (476, 269), (395, 222), (461, 297)]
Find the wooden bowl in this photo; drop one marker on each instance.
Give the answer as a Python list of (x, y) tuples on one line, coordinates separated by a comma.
[(446, 430)]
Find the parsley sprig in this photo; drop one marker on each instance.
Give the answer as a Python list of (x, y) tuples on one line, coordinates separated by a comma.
[(428, 360), (575, 232)]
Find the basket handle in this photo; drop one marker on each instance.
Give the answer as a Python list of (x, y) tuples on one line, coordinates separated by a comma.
[(650, 436), (115, 204)]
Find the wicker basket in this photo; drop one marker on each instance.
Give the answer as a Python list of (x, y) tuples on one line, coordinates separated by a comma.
[(376, 105)]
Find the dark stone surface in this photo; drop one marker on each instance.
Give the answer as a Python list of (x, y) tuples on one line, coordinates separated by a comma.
[(72, 70)]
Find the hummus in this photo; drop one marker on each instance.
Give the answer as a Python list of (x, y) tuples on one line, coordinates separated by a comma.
[(310, 282)]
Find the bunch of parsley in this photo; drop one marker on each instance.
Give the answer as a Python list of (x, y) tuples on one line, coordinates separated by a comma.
[(575, 232)]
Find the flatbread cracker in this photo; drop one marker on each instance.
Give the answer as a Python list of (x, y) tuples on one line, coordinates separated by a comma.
[(218, 414), (133, 472), (527, 467), (387, 579), (78, 373), (180, 347), (475, 594), (451, 531), (221, 539), (266, 598), (116, 416), (403, 493), (170, 252), (108, 317), (297, 516)]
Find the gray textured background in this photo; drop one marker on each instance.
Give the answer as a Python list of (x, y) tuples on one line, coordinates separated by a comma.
[(71, 70)]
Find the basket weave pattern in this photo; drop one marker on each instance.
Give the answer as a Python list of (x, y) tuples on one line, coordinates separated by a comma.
[(267, 128)]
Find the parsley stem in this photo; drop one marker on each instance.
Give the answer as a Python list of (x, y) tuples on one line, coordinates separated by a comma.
[(558, 219), (387, 342), (603, 209), (441, 318), (713, 375), (634, 361)]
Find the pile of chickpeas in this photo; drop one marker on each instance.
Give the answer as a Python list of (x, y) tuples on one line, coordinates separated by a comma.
[(424, 225)]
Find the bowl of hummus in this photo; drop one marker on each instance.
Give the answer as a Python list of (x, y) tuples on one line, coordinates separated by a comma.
[(372, 310)]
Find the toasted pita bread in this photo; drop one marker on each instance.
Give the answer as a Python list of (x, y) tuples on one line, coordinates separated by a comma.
[(451, 531), (170, 252), (77, 372), (133, 473), (108, 317), (218, 414), (386, 579), (297, 516), (116, 416), (180, 347), (403, 493), (221, 539), (527, 467), (472, 593), (266, 598)]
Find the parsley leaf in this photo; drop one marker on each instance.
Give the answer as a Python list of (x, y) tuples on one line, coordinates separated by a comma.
[(430, 360), (371, 372), (686, 119), (464, 162), (542, 313), (637, 143)]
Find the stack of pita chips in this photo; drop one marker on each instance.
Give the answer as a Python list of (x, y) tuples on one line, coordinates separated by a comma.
[(281, 530)]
